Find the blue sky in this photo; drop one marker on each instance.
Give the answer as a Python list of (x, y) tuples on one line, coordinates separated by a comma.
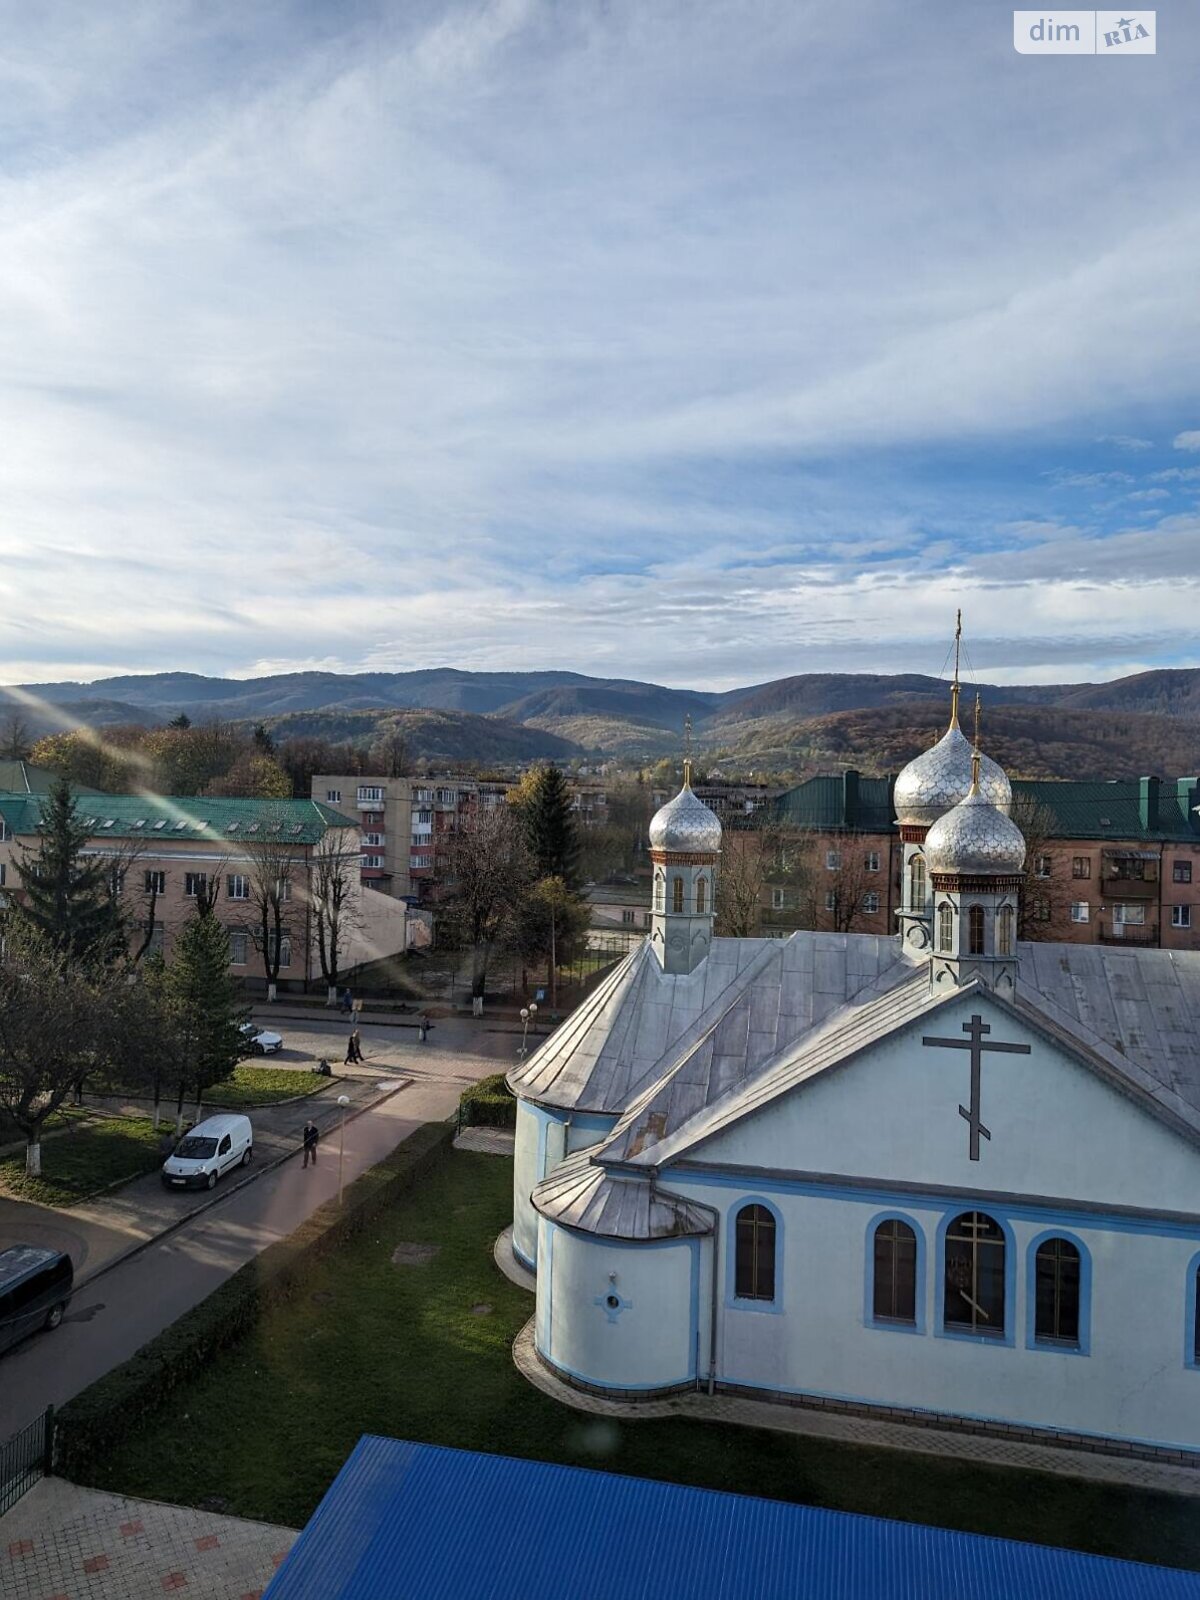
[(702, 343)]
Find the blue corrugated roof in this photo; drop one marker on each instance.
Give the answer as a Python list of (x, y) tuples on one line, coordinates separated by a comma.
[(402, 1521)]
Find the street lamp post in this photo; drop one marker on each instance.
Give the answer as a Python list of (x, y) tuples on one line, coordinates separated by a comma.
[(527, 1012), (343, 1101)]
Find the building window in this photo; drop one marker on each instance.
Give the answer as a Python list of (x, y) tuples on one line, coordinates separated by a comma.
[(872, 861), (916, 883), (333, 796), (418, 861), (895, 1280), (195, 885), (369, 794), (871, 900), (701, 896), (1129, 915), (1181, 916), (627, 916), (1005, 930), (1081, 867), (1056, 1292), (975, 931), (1181, 871), (158, 940), (1080, 911), (833, 860), (3, 830), (945, 927), (238, 949), (1041, 866), (660, 889), (283, 889), (645, 919), (237, 886), (831, 899), (754, 1269), (776, 899), (285, 948), (677, 895), (975, 1249), (155, 882), (3, 873), (1041, 908), (373, 838)]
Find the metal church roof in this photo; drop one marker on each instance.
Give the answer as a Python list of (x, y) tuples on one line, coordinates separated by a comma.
[(403, 1521)]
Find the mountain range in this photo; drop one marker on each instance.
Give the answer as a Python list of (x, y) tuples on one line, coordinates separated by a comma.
[(1149, 721)]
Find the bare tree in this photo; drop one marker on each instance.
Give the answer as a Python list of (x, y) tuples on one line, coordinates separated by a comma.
[(16, 737), (757, 858), (490, 873), (389, 753), (269, 865), (335, 890), (1043, 896)]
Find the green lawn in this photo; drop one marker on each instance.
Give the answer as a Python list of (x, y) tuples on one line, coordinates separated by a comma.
[(423, 1352), (264, 1086), (77, 1164)]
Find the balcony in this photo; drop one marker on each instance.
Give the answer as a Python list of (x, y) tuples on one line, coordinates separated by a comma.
[(1114, 887), (1128, 933)]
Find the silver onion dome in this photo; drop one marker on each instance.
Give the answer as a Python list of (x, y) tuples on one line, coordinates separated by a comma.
[(685, 823), (975, 839), (940, 778)]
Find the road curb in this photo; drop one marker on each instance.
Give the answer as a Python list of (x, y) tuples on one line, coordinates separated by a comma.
[(219, 1199)]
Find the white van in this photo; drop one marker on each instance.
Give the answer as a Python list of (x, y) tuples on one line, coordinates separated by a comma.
[(207, 1150)]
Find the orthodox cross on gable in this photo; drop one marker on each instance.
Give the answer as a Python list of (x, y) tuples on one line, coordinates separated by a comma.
[(976, 1044)]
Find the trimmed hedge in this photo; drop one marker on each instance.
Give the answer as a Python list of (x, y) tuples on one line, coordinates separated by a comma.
[(490, 1103), (119, 1403)]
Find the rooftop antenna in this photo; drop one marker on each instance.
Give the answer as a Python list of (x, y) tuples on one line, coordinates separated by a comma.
[(687, 751)]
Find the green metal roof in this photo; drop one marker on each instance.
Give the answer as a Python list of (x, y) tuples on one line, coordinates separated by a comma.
[(18, 777), (125, 816), (1132, 808)]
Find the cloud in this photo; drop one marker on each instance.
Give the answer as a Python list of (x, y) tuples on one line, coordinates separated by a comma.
[(1187, 441), (605, 336)]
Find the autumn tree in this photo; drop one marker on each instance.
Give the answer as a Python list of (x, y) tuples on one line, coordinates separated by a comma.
[(549, 923), (62, 1017), (254, 775)]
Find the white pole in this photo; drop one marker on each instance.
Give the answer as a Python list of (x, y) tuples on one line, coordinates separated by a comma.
[(343, 1101)]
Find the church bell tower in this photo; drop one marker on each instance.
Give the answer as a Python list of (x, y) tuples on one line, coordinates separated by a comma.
[(685, 843)]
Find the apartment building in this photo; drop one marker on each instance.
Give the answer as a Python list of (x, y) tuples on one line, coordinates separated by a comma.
[(1109, 862), (170, 854), (407, 824)]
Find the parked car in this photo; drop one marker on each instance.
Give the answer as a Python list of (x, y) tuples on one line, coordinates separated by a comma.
[(260, 1041), (35, 1290), (207, 1150)]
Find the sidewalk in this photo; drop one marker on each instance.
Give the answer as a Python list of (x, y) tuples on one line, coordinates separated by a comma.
[(61, 1542)]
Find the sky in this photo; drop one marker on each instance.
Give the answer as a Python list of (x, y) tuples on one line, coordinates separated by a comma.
[(701, 343)]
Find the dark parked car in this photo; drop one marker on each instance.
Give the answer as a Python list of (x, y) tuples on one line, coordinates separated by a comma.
[(35, 1290)]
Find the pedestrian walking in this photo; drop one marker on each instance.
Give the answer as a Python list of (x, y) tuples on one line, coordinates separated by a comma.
[(423, 1029), (356, 1045), (349, 1061), (311, 1135)]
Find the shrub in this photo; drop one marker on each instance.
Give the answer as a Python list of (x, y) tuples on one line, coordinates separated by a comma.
[(489, 1103), (119, 1403)]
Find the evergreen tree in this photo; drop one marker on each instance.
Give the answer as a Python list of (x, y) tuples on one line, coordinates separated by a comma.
[(544, 801), (68, 896), (205, 1009)]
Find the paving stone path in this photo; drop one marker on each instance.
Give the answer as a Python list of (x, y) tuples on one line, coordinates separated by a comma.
[(62, 1542), (488, 1141), (859, 1430)]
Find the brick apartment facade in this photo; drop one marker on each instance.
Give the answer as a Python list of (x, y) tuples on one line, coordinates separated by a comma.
[(169, 852), (1110, 863)]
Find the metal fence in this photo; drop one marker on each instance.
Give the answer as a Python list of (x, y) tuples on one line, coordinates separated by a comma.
[(25, 1458)]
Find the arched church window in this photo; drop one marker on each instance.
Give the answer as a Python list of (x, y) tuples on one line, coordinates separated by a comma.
[(916, 883), (660, 886), (946, 926), (754, 1264), (975, 931), (1196, 1314), (676, 894), (1005, 922), (974, 1301), (1056, 1292), (701, 895), (895, 1286)]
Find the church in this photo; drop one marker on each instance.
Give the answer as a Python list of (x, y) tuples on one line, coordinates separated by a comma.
[(941, 1175)]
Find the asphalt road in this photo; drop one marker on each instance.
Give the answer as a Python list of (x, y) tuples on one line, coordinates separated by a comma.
[(128, 1305)]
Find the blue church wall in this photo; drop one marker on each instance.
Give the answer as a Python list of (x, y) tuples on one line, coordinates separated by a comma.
[(544, 1138), (824, 1340), (616, 1314)]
